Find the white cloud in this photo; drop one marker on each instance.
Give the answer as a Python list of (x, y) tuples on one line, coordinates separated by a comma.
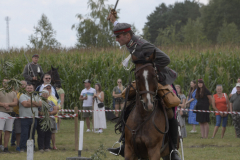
[(26, 31), (25, 14)]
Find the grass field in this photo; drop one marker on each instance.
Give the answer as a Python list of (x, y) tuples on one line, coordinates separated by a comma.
[(194, 147)]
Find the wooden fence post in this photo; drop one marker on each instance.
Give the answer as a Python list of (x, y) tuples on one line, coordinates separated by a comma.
[(76, 128)]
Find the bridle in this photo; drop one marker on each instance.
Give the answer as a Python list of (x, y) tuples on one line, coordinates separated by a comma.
[(140, 93)]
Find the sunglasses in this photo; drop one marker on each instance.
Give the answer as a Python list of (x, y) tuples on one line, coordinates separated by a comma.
[(48, 88), (119, 82), (118, 36), (47, 78)]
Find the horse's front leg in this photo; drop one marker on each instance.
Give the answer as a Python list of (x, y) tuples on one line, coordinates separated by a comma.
[(129, 152), (154, 152)]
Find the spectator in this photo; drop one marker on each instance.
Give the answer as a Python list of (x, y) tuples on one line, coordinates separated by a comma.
[(191, 102), (44, 136), (26, 111), (87, 97), (46, 81), (99, 116), (7, 102), (180, 113), (235, 106), (16, 132), (61, 95), (234, 90), (220, 102), (55, 101), (33, 71), (204, 98), (117, 94)]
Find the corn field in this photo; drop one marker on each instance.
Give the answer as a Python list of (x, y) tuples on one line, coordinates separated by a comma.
[(214, 64)]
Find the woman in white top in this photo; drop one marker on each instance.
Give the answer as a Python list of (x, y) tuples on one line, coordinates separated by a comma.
[(99, 116)]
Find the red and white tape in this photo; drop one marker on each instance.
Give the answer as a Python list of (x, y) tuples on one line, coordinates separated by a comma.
[(100, 110), (207, 111), (62, 116)]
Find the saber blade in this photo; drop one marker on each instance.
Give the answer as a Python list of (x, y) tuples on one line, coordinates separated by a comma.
[(116, 5), (30, 64)]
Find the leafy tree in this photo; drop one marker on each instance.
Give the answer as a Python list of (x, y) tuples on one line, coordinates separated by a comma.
[(146, 35), (193, 32), (228, 33), (164, 16), (44, 35), (214, 14), (94, 29), (168, 36), (156, 20)]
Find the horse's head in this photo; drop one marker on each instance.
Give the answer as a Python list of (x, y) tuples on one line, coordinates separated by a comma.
[(146, 80), (55, 76)]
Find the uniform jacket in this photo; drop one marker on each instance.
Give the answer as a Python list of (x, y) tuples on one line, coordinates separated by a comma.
[(27, 73), (142, 49)]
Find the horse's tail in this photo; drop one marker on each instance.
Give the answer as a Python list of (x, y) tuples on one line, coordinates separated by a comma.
[(119, 127)]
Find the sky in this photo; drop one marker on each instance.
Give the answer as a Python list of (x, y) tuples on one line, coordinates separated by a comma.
[(25, 14)]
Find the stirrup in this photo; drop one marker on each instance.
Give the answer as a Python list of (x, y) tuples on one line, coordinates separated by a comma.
[(120, 143), (176, 151)]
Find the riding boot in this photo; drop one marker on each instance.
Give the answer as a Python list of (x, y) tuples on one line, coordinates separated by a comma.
[(173, 132), (119, 150)]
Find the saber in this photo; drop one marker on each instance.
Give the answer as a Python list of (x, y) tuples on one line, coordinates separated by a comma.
[(113, 11), (29, 65), (116, 5)]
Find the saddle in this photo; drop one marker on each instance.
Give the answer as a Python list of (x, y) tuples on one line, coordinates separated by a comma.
[(165, 92)]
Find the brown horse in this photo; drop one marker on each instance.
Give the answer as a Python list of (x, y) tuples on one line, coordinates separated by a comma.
[(146, 124)]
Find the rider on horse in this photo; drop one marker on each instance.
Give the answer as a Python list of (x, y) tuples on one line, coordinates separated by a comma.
[(142, 49), (33, 71)]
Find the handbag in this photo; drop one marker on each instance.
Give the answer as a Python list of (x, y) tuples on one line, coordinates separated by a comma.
[(185, 113), (100, 105), (195, 108)]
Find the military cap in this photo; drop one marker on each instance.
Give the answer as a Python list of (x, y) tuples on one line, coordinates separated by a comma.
[(35, 55), (121, 28)]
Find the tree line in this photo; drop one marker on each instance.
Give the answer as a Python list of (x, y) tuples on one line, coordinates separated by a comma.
[(188, 22), (191, 22)]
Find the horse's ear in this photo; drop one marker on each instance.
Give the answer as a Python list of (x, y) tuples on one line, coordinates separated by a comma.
[(51, 66), (134, 58), (58, 67), (152, 57)]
